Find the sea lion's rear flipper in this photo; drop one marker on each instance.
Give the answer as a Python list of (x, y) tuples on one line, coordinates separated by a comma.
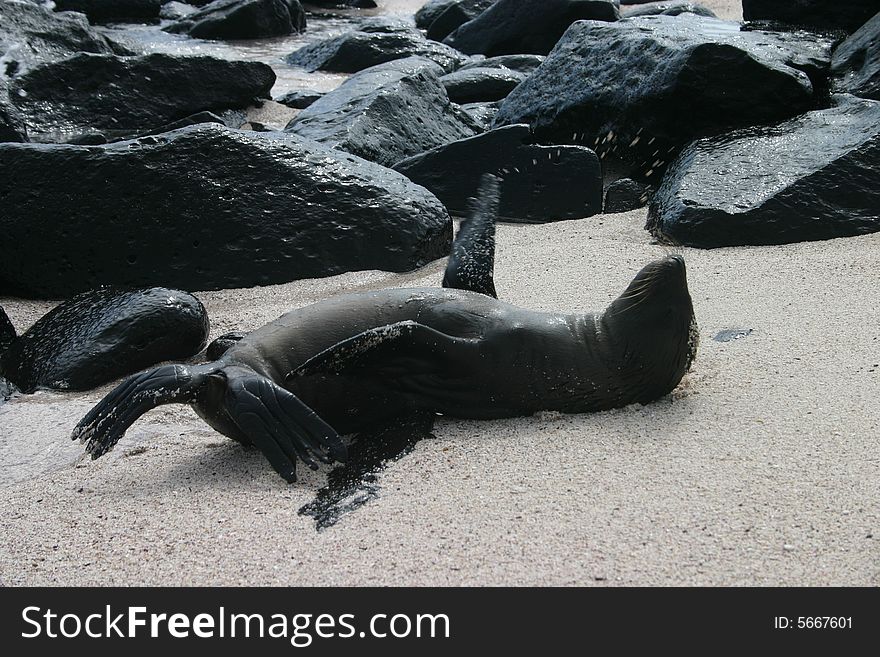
[(471, 264), (404, 347), (7, 331), (280, 425), (108, 421)]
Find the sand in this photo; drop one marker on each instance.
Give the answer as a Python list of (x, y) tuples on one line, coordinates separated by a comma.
[(761, 468)]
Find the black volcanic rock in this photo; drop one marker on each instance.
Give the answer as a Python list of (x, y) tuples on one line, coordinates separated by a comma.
[(12, 127), (374, 42), (482, 113), (814, 177), (205, 207), (518, 63), (624, 195), (456, 15), (31, 35), (242, 19), (113, 11), (657, 82), (822, 14), (429, 12), (386, 113), (672, 8), (855, 66), (127, 95), (539, 183), (526, 26), (104, 334), (300, 98), (174, 10), (476, 85)]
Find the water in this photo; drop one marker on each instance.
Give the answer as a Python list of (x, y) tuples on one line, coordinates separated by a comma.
[(151, 38)]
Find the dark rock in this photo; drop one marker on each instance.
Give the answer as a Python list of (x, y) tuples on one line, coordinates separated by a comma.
[(480, 84), (855, 66), (356, 4), (518, 63), (12, 126), (673, 8), (624, 195), (176, 10), (204, 207), (192, 119), (300, 98), (814, 177), (482, 113), (242, 19), (644, 86), (526, 26), (371, 44), (113, 11), (456, 15), (386, 113), (31, 35), (429, 12), (87, 139), (822, 14), (539, 183), (102, 335), (127, 95)]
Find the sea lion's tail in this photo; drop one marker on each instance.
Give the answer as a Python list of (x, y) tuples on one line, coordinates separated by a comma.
[(107, 422)]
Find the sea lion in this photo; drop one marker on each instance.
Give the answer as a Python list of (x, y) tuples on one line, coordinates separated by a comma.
[(358, 361), (101, 335)]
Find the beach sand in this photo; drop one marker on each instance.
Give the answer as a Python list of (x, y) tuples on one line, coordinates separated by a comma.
[(761, 468)]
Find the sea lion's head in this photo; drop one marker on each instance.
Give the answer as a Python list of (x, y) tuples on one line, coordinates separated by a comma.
[(654, 320)]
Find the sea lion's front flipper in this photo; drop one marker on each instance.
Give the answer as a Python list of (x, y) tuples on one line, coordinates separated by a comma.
[(471, 264), (404, 347), (280, 425), (108, 421)]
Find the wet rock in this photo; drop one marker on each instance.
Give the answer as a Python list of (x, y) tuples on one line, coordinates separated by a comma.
[(811, 178), (539, 183), (673, 8), (205, 207), (482, 113), (855, 66), (242, 19), (176, 10), (455, 15), (822, 14), (102, 335), (300, 98), (475, 85), (31, 34), (526, 26), (519, 63), (373, 43), (356, 4), (114, 11), (123, 96), (626, 194), (12, 126), (386, 113), (647, 85), (429, 12)]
